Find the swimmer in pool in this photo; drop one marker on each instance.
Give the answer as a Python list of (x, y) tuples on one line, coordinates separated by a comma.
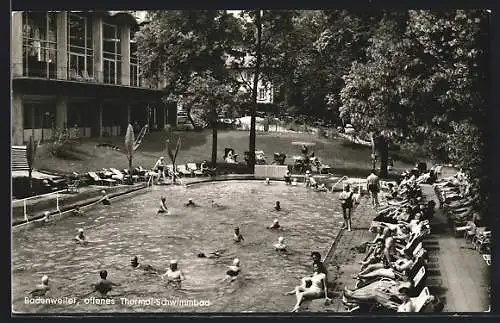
[(134, 262), (237, 237), (216, 205), (81, 238), (234, 270), (277, 206), (275, 225), (280, 246), (190, 203), (105, 199), (77, 211), (163, 206), (103, 286), (174, 274), (48, 218), (214, 254), (42, 288)]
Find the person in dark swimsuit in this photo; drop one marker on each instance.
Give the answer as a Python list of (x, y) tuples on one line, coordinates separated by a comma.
[(277, 206)]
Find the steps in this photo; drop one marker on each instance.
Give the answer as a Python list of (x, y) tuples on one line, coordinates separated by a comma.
[(18, 158)]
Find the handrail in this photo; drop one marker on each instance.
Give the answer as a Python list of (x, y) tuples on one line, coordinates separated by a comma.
[(340, 180), (37, 196)]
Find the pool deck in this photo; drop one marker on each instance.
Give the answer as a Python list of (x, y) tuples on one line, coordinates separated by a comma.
[(457, 275)]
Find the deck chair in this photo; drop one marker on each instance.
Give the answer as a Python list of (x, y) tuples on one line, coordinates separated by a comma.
[(73, 186), (117, 175), (193, 168), (97, 179), (421, 300), (487, 259), (184, 171), (135, 178)]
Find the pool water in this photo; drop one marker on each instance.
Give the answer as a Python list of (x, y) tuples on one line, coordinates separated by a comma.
[(130, 226)]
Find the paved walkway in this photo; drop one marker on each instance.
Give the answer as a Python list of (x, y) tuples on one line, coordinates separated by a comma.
[(459, 276)]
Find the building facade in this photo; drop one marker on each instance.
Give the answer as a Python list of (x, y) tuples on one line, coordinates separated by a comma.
[(79, 71)]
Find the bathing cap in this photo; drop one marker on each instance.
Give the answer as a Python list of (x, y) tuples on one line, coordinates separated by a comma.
[(103, 192), (308, 172), (275, 221), (281, 239), (190, 200), (173, 262), (46, 213), (80, 230), (267, 178), (236, 261), (45, 279)]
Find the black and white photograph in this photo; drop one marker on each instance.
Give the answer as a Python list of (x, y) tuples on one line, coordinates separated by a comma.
[(250, 161)]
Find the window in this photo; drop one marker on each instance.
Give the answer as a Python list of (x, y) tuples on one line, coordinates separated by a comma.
[(111, 51), (80, 48), (262, 94), (39, 44), (134, 64), (38, 115)]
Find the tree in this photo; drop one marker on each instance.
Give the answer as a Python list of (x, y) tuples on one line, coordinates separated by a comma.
[(178, 45), (425, 82), (211, 96)]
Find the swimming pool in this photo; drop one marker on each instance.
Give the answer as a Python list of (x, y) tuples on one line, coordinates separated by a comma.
[(129, 227)]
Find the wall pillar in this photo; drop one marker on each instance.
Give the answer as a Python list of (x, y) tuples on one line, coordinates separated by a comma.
[(17, 44), (62, 45), (125, 51), (99, 118), (62, 113), (97, 39), (165, 116), (17, 119)]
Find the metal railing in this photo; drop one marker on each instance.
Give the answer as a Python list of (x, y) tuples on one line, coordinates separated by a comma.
[(343, 178), (25, 201)]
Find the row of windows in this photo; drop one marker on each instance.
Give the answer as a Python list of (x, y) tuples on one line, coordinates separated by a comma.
[(40, 48)]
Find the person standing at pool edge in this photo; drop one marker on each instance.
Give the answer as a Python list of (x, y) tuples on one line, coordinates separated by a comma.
[(346, 201), (373, 187)]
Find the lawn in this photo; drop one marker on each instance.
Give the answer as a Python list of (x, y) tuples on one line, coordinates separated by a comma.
[(344, 157)]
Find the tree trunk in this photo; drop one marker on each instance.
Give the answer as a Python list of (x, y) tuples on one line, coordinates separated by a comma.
[(384, 156), (195, 126), (253, 112), (214, 144), (130, 170)]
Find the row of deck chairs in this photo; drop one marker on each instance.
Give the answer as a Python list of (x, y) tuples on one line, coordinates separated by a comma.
[(458, 204), (403, 223), (188, 170)]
